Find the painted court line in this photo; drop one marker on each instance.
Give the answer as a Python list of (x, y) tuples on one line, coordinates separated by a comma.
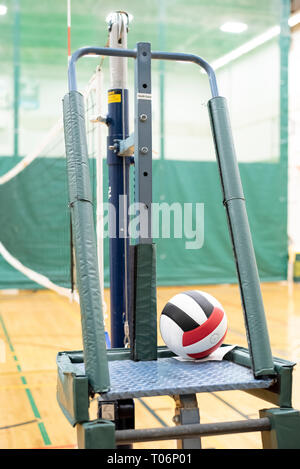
[(18, 424), (10, 387), (231, 406), (31, 400), (152, 412), (31, 372)]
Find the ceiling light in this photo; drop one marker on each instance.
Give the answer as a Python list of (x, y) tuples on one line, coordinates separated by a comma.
[(246, 47), (234, 27), (253, 43), (3, 10)]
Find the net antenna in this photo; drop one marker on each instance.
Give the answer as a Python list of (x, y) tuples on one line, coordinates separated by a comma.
[(69, 28)]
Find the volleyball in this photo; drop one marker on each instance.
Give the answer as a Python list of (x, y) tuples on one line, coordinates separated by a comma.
[(193, 324)]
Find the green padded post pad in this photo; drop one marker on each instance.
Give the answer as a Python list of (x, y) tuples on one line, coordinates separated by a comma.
[(144, 343), (73, 396), (84, 239), (285, 429), (254, 314), (96, 434)]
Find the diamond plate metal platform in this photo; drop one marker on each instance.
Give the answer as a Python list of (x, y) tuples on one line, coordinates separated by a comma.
[(168, 376)]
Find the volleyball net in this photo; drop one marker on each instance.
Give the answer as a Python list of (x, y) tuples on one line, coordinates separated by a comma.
[(35, 238)]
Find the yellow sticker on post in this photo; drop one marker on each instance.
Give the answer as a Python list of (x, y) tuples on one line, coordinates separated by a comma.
[(114, 97)]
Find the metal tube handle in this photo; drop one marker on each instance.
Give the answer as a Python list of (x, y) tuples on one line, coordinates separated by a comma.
[(107, 51)]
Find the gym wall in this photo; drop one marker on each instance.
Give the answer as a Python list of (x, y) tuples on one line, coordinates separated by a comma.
[(184, 166)]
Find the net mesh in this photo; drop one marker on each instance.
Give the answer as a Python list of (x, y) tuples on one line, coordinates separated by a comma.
[(35, 239)]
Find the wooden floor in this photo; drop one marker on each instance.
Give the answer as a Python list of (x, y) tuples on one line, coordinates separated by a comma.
[(34, 326)]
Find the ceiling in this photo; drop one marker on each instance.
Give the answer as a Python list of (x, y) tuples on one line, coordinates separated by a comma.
[(174, 25)]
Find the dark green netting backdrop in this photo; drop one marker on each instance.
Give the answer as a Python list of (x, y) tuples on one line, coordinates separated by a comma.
[(35, 220), (37, 237), (33, 210), (213, 263)]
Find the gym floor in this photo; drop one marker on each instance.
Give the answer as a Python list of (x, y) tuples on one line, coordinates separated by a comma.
[(35, 325)]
